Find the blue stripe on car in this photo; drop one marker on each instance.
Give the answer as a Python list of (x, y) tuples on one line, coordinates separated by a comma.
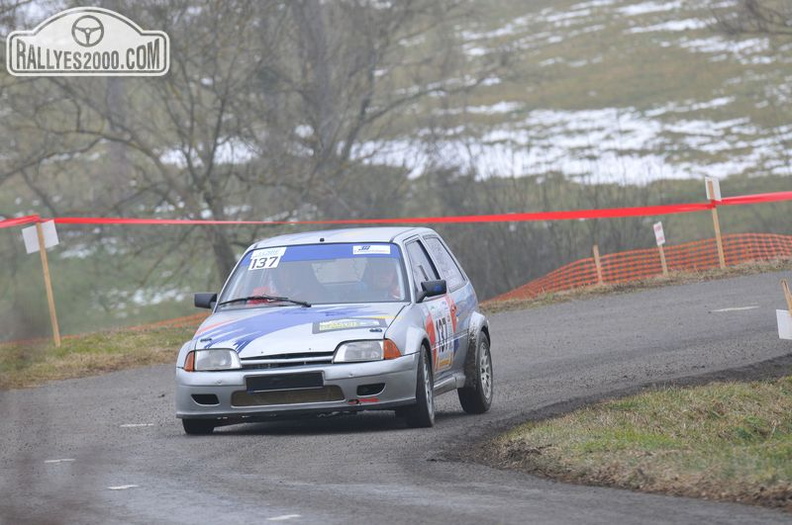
[(240, 333)]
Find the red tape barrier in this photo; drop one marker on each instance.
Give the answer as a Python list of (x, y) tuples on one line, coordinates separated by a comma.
[(756, 198), (607, 213), (19, 221)]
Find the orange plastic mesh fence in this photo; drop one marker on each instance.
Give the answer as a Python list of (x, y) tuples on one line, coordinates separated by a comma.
[(641, 264)]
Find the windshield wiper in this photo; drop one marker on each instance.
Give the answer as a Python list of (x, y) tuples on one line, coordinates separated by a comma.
[(272, 298)]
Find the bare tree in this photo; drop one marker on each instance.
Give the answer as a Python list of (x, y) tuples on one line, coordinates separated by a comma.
[(756, 16), (264, 113)]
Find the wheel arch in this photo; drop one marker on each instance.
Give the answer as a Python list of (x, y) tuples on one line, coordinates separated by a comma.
[(479, 324), (415, 340)]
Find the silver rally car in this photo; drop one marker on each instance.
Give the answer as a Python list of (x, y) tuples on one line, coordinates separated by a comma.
[(337, 321)]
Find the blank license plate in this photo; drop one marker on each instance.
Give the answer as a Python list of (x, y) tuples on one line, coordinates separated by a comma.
[(284, 382)]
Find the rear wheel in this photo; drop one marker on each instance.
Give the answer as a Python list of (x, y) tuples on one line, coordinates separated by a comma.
[(421, 415), (198, 427), (476, 396)]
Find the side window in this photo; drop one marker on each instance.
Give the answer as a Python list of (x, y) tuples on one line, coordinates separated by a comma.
[(422, 268), (447, 266)]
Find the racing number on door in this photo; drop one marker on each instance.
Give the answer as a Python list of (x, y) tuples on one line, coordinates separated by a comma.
[(443, 341), (444, 329)]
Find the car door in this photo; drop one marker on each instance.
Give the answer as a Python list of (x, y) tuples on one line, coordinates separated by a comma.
[(461, 297), (437, 312)]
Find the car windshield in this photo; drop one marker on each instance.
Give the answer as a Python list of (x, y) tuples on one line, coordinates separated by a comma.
[(317, 274)]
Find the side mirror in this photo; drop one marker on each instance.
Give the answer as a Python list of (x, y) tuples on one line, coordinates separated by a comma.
[(205, 300), (431, 289)]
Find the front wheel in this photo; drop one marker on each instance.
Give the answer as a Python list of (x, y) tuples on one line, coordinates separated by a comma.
[(198, 427), (421, 414), (476, 396)]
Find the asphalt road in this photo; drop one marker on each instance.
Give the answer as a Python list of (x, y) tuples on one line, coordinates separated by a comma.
[(109, 450)]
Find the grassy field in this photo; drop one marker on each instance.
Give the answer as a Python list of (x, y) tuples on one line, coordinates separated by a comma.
[(29, 364), (725, 441)]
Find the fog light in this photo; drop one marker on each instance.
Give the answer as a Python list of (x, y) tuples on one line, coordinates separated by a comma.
[(370, 390)]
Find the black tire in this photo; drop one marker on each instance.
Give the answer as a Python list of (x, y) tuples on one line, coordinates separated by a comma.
[(198, 427), (476, 396), (421, 414)]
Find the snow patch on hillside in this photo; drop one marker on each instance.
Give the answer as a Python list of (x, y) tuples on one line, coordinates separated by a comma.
[(610, 145)]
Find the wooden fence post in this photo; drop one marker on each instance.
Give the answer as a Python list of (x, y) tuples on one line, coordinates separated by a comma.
[(48, 285), (787, 295), (663, 260), (716, 224), (660, 239), (598, 265)]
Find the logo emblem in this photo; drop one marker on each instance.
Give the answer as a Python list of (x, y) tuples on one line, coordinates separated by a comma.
[(87, 41), (87, 31)]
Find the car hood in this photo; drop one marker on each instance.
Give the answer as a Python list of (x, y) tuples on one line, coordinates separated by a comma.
[(274, 330)]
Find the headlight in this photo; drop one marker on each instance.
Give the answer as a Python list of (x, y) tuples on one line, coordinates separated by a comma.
[(212, 359), (356, 351)]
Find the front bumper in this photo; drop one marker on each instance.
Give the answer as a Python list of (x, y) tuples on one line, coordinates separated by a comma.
[(346, 387)]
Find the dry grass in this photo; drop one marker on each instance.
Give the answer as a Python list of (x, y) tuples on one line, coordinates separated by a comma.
[(724, 441), (28, 364)]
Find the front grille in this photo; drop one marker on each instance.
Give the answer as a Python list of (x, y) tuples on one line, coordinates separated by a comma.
[(289, 397), (287, 360)]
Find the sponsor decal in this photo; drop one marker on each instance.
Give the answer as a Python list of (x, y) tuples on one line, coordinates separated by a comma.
[(371, 249), (87, 41), (347, 324)]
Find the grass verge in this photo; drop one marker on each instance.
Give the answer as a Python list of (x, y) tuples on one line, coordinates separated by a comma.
[(28, 364), (724, 441)]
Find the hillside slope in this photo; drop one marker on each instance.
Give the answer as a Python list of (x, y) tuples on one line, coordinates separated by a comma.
[(614, 91)]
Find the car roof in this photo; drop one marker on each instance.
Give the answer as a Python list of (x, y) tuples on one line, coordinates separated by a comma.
[(365, 235)]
